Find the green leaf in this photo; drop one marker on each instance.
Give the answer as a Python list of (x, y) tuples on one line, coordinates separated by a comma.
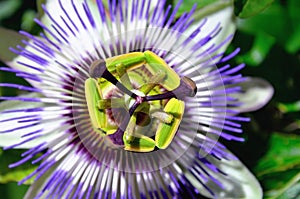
[(293, 9), (17, 175), (250, 8), (263, 23), (289, 107), (188, 4), (293, 41), (287, 20), (204, 7), (260, 49), (14, 174), (28, 20), (8, 7), (276, 185), (12, 190), (9, 38), (279, 168), (283, 154)]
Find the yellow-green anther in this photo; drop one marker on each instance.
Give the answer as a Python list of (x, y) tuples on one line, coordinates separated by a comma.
[(110, 131), (166, 132), (93, 95), (138, 143), (156, 64), (130, 61)]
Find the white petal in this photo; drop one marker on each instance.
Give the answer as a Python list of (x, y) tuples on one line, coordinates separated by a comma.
[(67, 21), (15, 62), (224, 18), (257, 93), (56, 12), (153, 4), (7, 139), (43, 63), (239, 182), (37, 186)]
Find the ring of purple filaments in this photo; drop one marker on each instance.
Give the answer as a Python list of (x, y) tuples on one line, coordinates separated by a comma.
[(186, 88)]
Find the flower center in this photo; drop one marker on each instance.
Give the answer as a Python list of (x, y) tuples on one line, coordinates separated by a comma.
[(147, 105), (129, 101)]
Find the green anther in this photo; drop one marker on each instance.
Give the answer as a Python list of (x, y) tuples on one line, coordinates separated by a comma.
[(93, 95), (156, 64), (129, 61), (166, 131), (139, 143)]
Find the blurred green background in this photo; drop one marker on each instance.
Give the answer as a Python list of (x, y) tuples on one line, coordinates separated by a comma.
[(269, 36)]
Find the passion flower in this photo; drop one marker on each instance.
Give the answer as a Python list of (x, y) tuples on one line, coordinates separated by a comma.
[(131, 103)]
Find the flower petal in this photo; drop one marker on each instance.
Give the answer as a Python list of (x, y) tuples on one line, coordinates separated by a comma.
[(223, 18), (26, 122), (7, 139), (36, 187), (237, 181), (257, 92), (241, 183), (15, 62), (226, 19)]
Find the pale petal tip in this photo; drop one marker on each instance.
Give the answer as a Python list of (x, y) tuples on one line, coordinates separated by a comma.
[(257, 92)]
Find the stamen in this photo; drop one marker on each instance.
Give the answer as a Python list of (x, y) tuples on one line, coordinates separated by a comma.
[(163, 116), (98, 69), (117, 137), (187, 88)]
